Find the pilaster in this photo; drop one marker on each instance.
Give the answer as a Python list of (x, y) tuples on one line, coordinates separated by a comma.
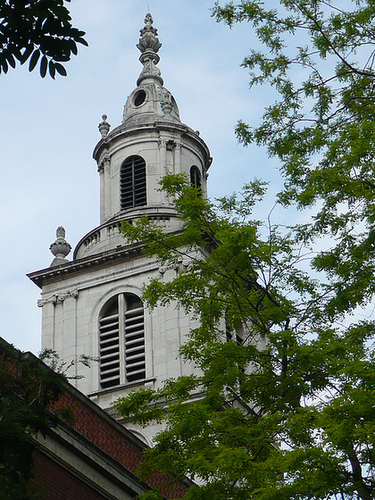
[(105, 186)]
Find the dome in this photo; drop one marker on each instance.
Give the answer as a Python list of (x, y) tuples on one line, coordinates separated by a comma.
[(149, 102)]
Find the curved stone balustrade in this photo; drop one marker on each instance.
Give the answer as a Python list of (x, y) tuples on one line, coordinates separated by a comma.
[(108, 236)]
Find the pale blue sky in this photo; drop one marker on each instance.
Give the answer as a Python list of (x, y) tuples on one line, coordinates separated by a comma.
[(49, 130)]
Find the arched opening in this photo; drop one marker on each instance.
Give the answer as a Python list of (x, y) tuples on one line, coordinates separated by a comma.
[(195, 177), (121, 341)]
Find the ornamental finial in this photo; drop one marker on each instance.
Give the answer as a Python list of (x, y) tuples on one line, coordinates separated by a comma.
[(149, 46), (104, 126), (60, 248)]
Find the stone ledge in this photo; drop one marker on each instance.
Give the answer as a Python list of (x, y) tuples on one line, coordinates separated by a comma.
[(38, 277)]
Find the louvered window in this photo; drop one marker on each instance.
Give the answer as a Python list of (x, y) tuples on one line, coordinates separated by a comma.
[(133, 183), (235, 337), (195, 177), (121, 339), (235, 333)]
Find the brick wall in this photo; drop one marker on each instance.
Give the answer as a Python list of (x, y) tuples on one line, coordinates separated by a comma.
[(106, 434), (96, 426), (53, 482)]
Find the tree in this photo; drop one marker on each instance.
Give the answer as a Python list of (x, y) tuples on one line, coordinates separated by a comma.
[(320, 58), (28, 388), (38, 31), (281, 405)]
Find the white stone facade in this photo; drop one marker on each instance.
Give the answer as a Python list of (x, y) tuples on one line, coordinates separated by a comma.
[(72, 303)]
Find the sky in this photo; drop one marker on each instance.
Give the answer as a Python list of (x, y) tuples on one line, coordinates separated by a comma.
[(49, 129)]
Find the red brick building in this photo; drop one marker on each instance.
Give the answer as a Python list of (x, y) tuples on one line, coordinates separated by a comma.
[(94, 458), (90, 456)]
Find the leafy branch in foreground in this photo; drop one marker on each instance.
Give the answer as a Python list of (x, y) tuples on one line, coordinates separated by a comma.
[(318, 56), (281, 403), (52, 359), (39, 31)]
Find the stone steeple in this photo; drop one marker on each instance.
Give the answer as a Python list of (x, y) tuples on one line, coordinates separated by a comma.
[(93, 304), (155, 141)]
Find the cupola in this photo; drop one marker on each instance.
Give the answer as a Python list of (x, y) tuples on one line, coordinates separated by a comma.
[(132, 158)]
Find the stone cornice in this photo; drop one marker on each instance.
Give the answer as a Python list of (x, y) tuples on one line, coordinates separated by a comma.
[(159, 125), (61, 297), (76, 266)]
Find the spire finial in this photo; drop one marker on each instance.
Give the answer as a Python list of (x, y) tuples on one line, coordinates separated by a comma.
[(149, 46)]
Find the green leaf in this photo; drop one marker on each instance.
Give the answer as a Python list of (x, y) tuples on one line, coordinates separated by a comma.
[(60, 69), (38, 29), (52, 69), (281, 405), (4, 65), (26, 53), (34, 59), (11, 60), (43, 66)]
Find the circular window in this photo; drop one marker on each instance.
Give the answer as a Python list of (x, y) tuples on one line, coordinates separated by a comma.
[(139, 98)]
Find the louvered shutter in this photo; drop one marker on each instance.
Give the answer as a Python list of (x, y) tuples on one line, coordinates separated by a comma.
[(122, 341), (133, 183), (134, 345), (109, 339)]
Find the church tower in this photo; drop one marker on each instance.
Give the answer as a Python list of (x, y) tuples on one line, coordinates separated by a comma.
[(92, 304)]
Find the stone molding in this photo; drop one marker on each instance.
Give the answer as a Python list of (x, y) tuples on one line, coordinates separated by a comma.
[(183, 263), (82, 264), (122, 132), (61, 297), (101, 166), (171, 145)]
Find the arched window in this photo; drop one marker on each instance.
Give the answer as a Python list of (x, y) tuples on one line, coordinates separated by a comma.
[(237, 336), (121, 341), (195, 177), (133, 183), (235, 330)]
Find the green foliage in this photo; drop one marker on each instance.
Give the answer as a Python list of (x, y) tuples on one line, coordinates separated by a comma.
[(281, 405), (27, 389), (52, 359), (318, 56), (39, 31)]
